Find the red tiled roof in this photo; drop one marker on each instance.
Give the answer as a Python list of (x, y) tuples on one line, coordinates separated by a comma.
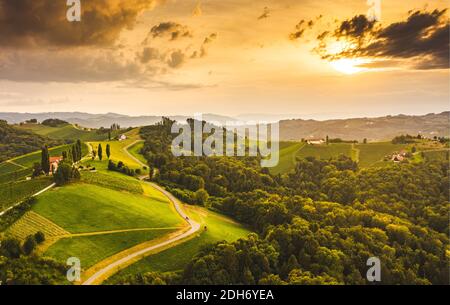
[(55, 159)]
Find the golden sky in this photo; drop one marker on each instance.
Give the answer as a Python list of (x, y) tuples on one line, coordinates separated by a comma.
[(320, 59)]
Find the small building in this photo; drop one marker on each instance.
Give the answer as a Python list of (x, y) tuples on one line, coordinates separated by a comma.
[(122, 137), (54, 162), (399, 157), (315, 141)]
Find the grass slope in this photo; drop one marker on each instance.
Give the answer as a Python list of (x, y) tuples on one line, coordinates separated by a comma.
[(14, 192), (219, 228), (372, 154), (80, 208), (288, 152), (92, 249), (135, 150), (325, 152), (65, 131)]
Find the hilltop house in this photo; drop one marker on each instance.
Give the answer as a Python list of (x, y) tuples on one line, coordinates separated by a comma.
[(54, 162), (399, 157), (122, 137), (315, 141)]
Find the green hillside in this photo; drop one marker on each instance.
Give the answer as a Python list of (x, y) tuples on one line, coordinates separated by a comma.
[(372, 154), (94, 208), (325, 152), (219, 228), (288, 153), (65, 132), (15, 141)]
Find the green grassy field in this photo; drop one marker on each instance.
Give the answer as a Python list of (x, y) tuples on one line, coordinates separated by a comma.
[(81, 208), (372, 154), (113, 180), (288, 152), (92, 249), (219, 228), (135, 150), (65, 131), (325, 151)]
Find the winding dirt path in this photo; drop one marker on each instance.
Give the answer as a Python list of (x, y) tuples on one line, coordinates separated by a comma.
[(98, 276)]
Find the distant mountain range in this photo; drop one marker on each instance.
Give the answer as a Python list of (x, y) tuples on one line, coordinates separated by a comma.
[(374, 129), (102, 120)]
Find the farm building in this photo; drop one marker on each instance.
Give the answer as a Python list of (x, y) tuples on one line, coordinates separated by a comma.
[(54, 161)]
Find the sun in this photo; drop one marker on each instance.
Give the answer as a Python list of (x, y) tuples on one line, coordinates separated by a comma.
[(348, 65)]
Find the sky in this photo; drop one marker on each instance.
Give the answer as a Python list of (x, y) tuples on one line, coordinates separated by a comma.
[(305, 58)]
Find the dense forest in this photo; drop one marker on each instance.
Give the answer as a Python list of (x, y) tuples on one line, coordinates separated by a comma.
[(317, 224), (15, 142)]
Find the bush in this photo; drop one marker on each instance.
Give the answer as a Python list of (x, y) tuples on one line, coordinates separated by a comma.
[(39, 237), (66, 173), (10, 248), (29, 245)]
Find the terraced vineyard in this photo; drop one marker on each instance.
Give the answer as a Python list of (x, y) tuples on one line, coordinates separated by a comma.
[(16, 191), (30, 223)]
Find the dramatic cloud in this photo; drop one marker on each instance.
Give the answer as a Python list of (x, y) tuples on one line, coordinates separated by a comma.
[(149, 54), (67, 66), (176, 59), (172, 29), (203, 49), (34, 23), (301, 28), (419, 42)]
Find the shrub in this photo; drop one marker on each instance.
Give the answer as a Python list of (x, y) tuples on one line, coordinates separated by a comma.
[(29, 245), (39, 237)]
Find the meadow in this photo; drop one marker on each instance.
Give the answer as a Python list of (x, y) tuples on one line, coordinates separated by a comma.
[(95, 248), (372, 154), (287, 157), (91, 208), (65, 131), (325, 152), (119, 151), (218, 228), (135, 150)]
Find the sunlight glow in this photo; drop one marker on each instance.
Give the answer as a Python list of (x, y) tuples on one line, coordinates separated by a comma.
[(348, 65)]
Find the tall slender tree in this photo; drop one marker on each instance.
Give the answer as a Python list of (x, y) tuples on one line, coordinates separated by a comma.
[(108, 150), (45, 160), (100, 152)]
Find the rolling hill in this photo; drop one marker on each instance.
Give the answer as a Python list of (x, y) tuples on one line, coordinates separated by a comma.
[(373, 129), (15, 142), (65, 132)]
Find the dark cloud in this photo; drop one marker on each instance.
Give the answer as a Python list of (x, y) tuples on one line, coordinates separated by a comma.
[(34, 23), (68, 66), (176, 59), (302, 27), (420, 42), (148, 54), (171, 29), (265, 14), (299, 31), (203, 48)]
